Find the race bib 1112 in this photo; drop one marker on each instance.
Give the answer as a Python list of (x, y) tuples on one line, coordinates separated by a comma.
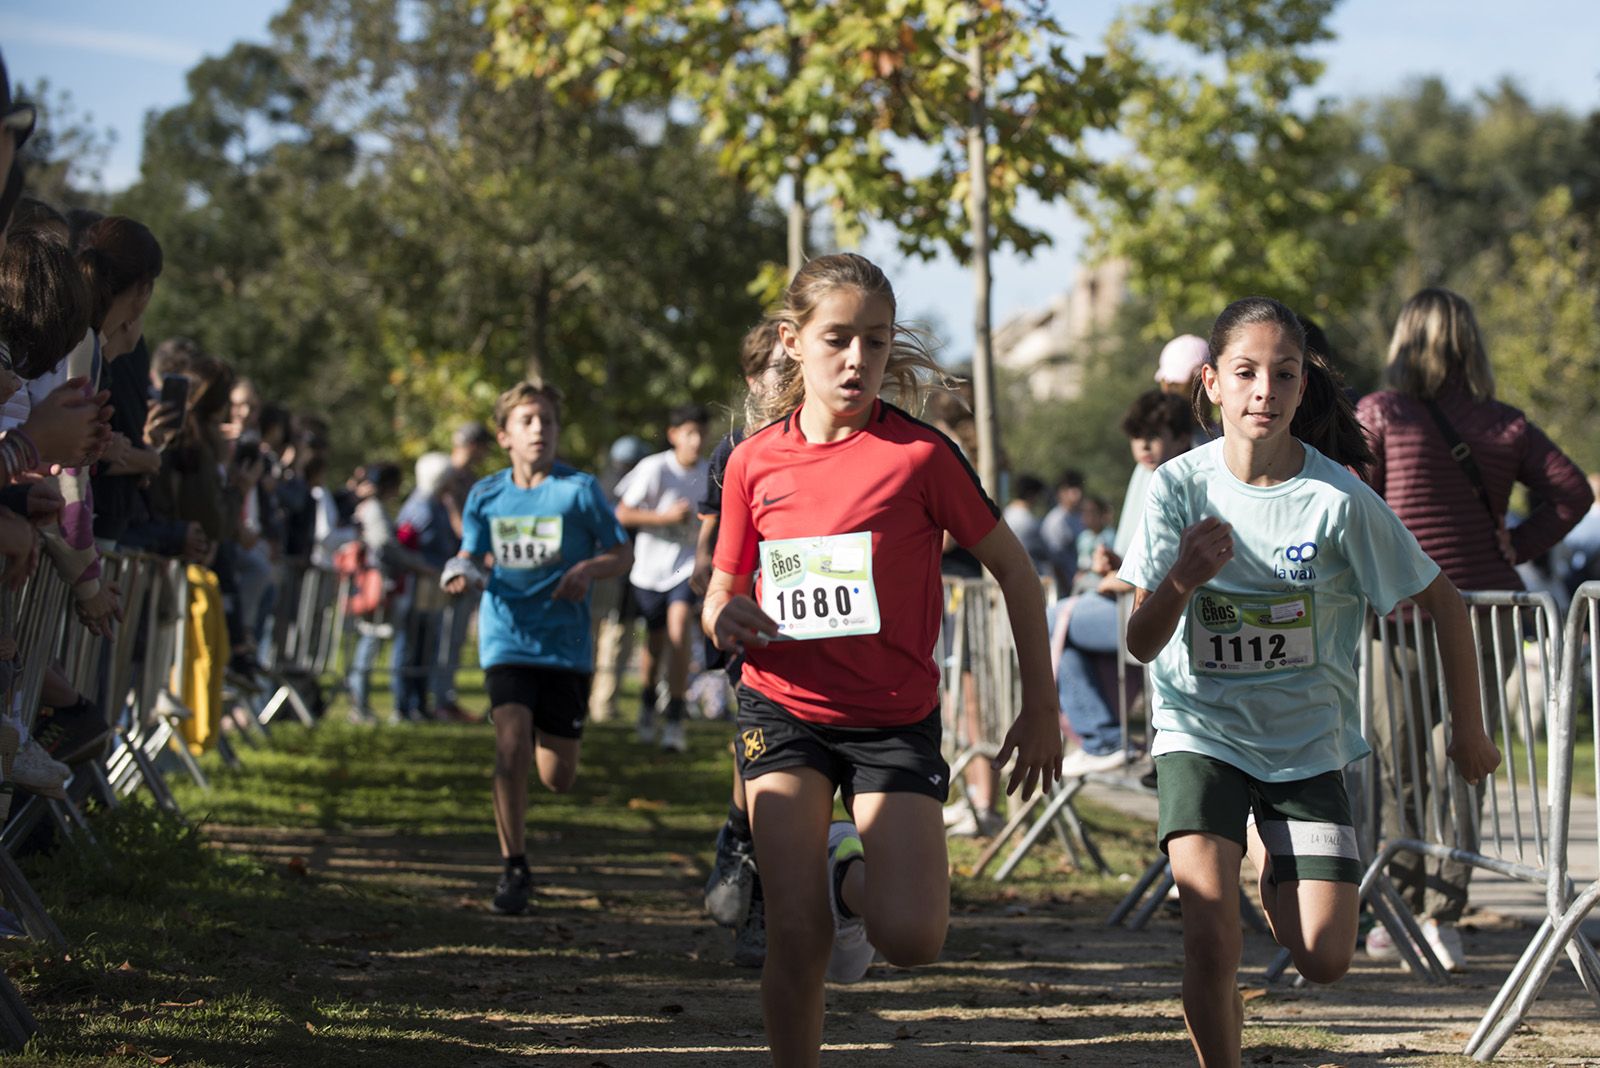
[(1251, 634)]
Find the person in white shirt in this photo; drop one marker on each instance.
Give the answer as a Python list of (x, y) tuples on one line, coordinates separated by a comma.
[(657, 499)]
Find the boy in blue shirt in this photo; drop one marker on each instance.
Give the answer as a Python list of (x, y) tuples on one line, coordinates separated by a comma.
[(535, 536)]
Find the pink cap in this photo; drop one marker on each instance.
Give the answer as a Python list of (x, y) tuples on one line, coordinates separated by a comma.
[(1181, 358)]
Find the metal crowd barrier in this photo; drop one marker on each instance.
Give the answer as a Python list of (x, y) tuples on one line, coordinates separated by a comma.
[(1566, 908)]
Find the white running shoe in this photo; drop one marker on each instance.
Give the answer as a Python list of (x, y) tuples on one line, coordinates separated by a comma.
[(976, 823), (1445, 941), (1380, 944), (673, 737), (1080, 762), (34, 771), (852, 953)]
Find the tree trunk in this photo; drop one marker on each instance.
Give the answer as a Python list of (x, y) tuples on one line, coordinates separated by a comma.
[(799, 219), (978, 218), (538, 326)]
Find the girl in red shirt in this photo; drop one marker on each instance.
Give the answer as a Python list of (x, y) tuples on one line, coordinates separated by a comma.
[(843, 501)]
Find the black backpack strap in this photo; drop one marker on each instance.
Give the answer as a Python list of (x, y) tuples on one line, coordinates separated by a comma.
[(1461, 453)]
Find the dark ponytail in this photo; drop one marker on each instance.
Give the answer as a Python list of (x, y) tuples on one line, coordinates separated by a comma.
[(1325, 420), (115, 254)]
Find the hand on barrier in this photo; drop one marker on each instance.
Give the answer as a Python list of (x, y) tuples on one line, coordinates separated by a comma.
[(99, 612), (19, 547), (67, 427), (1035, 738), (44, 504), (1474, 754)]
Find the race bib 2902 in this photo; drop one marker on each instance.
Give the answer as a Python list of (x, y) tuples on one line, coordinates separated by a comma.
[(522, 543)]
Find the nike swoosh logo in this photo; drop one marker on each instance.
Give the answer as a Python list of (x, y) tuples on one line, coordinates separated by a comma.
[(768, 502)]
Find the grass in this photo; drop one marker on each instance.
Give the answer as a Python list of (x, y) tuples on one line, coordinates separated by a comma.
[(327, 905)]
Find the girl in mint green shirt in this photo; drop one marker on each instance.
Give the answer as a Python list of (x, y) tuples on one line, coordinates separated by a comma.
[(1254, 566)]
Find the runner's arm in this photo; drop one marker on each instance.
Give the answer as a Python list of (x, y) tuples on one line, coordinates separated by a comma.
[(577, 579), (730, 617), (1036, 735), (1471, 748), (1202, 551)]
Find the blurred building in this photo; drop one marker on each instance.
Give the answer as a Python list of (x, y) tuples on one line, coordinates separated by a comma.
[(1049, 345)]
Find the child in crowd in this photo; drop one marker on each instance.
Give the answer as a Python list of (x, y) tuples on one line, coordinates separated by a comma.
[(843, 501), (1097, 533), (657, 499), (535, 536), (733, 891), (1254, 566), (1083, 641)]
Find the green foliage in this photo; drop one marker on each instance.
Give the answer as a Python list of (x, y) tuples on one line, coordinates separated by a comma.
[(1234, 185), (834, 92), (66, 151), (1541, 321), (357, 218)]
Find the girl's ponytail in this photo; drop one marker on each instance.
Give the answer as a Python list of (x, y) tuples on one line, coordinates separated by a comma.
[(1326, 420)]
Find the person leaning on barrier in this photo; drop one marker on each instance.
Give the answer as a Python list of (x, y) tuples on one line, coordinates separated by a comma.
[(1440, 404)]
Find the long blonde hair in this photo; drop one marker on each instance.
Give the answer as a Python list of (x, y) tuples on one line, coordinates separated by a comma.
[(911, 369), (1436, 340)]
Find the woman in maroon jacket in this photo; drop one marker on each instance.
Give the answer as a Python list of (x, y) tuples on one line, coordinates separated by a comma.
[(1441, 391)]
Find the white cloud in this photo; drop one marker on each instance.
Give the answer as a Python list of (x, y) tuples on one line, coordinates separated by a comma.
[(144, 46)]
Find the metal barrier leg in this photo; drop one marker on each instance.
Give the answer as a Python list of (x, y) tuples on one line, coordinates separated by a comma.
[(1156, 869), (1018, 817), (1539, 973), (1510, 988), (17, 1025), (179, 746), (1061, 802), (1586, 962), (29, 909), (1153, 902)]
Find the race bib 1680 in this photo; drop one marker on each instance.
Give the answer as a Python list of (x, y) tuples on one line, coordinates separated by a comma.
[(820, 587)]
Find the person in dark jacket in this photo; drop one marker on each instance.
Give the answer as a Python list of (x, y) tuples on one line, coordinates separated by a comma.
[(1441, 385)]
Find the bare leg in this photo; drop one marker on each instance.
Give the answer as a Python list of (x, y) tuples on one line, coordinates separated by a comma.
[(56, 691), (1206, 867), (738, 795), (679, 615), (1315, 921), (557, 760), (789, 813), (654, 641), (513, 757), (901, 887)]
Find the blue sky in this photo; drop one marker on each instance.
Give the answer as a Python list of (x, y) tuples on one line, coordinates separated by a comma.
[(119, 60)]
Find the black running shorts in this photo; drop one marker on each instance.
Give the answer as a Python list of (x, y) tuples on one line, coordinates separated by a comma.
[(558, 699), (859, 760)]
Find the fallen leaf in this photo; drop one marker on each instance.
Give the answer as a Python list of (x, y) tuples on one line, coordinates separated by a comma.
[(645, 804), (311, 1027), (297, 866), (1251, 993)]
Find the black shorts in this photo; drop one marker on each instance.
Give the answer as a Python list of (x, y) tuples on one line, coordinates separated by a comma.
[(652, 604), (558, 699), (859, 760)]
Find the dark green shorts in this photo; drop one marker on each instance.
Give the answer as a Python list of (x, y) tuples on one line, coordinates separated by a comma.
[(1305, 824)]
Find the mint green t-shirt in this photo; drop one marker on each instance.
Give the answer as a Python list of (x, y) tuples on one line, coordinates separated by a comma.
[(1261, 670)]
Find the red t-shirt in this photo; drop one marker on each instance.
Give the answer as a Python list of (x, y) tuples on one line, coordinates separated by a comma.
[(904, 482)]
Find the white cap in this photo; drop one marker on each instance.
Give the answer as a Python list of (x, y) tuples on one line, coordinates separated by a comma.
[(1182, 357)]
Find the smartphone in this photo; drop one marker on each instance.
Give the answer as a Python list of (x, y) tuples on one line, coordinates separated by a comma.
[(175, 393)]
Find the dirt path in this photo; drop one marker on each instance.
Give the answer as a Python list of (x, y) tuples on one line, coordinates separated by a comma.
[(617, 968)]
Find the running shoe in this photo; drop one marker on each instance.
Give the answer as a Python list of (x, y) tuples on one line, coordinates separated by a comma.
[(34, 771), (645, 731), (1081, 762), (1445, 941), (750, 941), (733, 878), (1380, 944), (511, 896), (673, 737), (976, 823), (852, 953), (73, 734)]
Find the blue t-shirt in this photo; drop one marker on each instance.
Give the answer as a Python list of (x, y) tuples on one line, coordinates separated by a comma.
[(1261, 670), (535, 535)]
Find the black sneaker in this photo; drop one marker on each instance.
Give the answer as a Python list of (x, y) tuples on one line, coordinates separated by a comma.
[(511, 896), (733, 875), (73, 734), (750, 941)]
